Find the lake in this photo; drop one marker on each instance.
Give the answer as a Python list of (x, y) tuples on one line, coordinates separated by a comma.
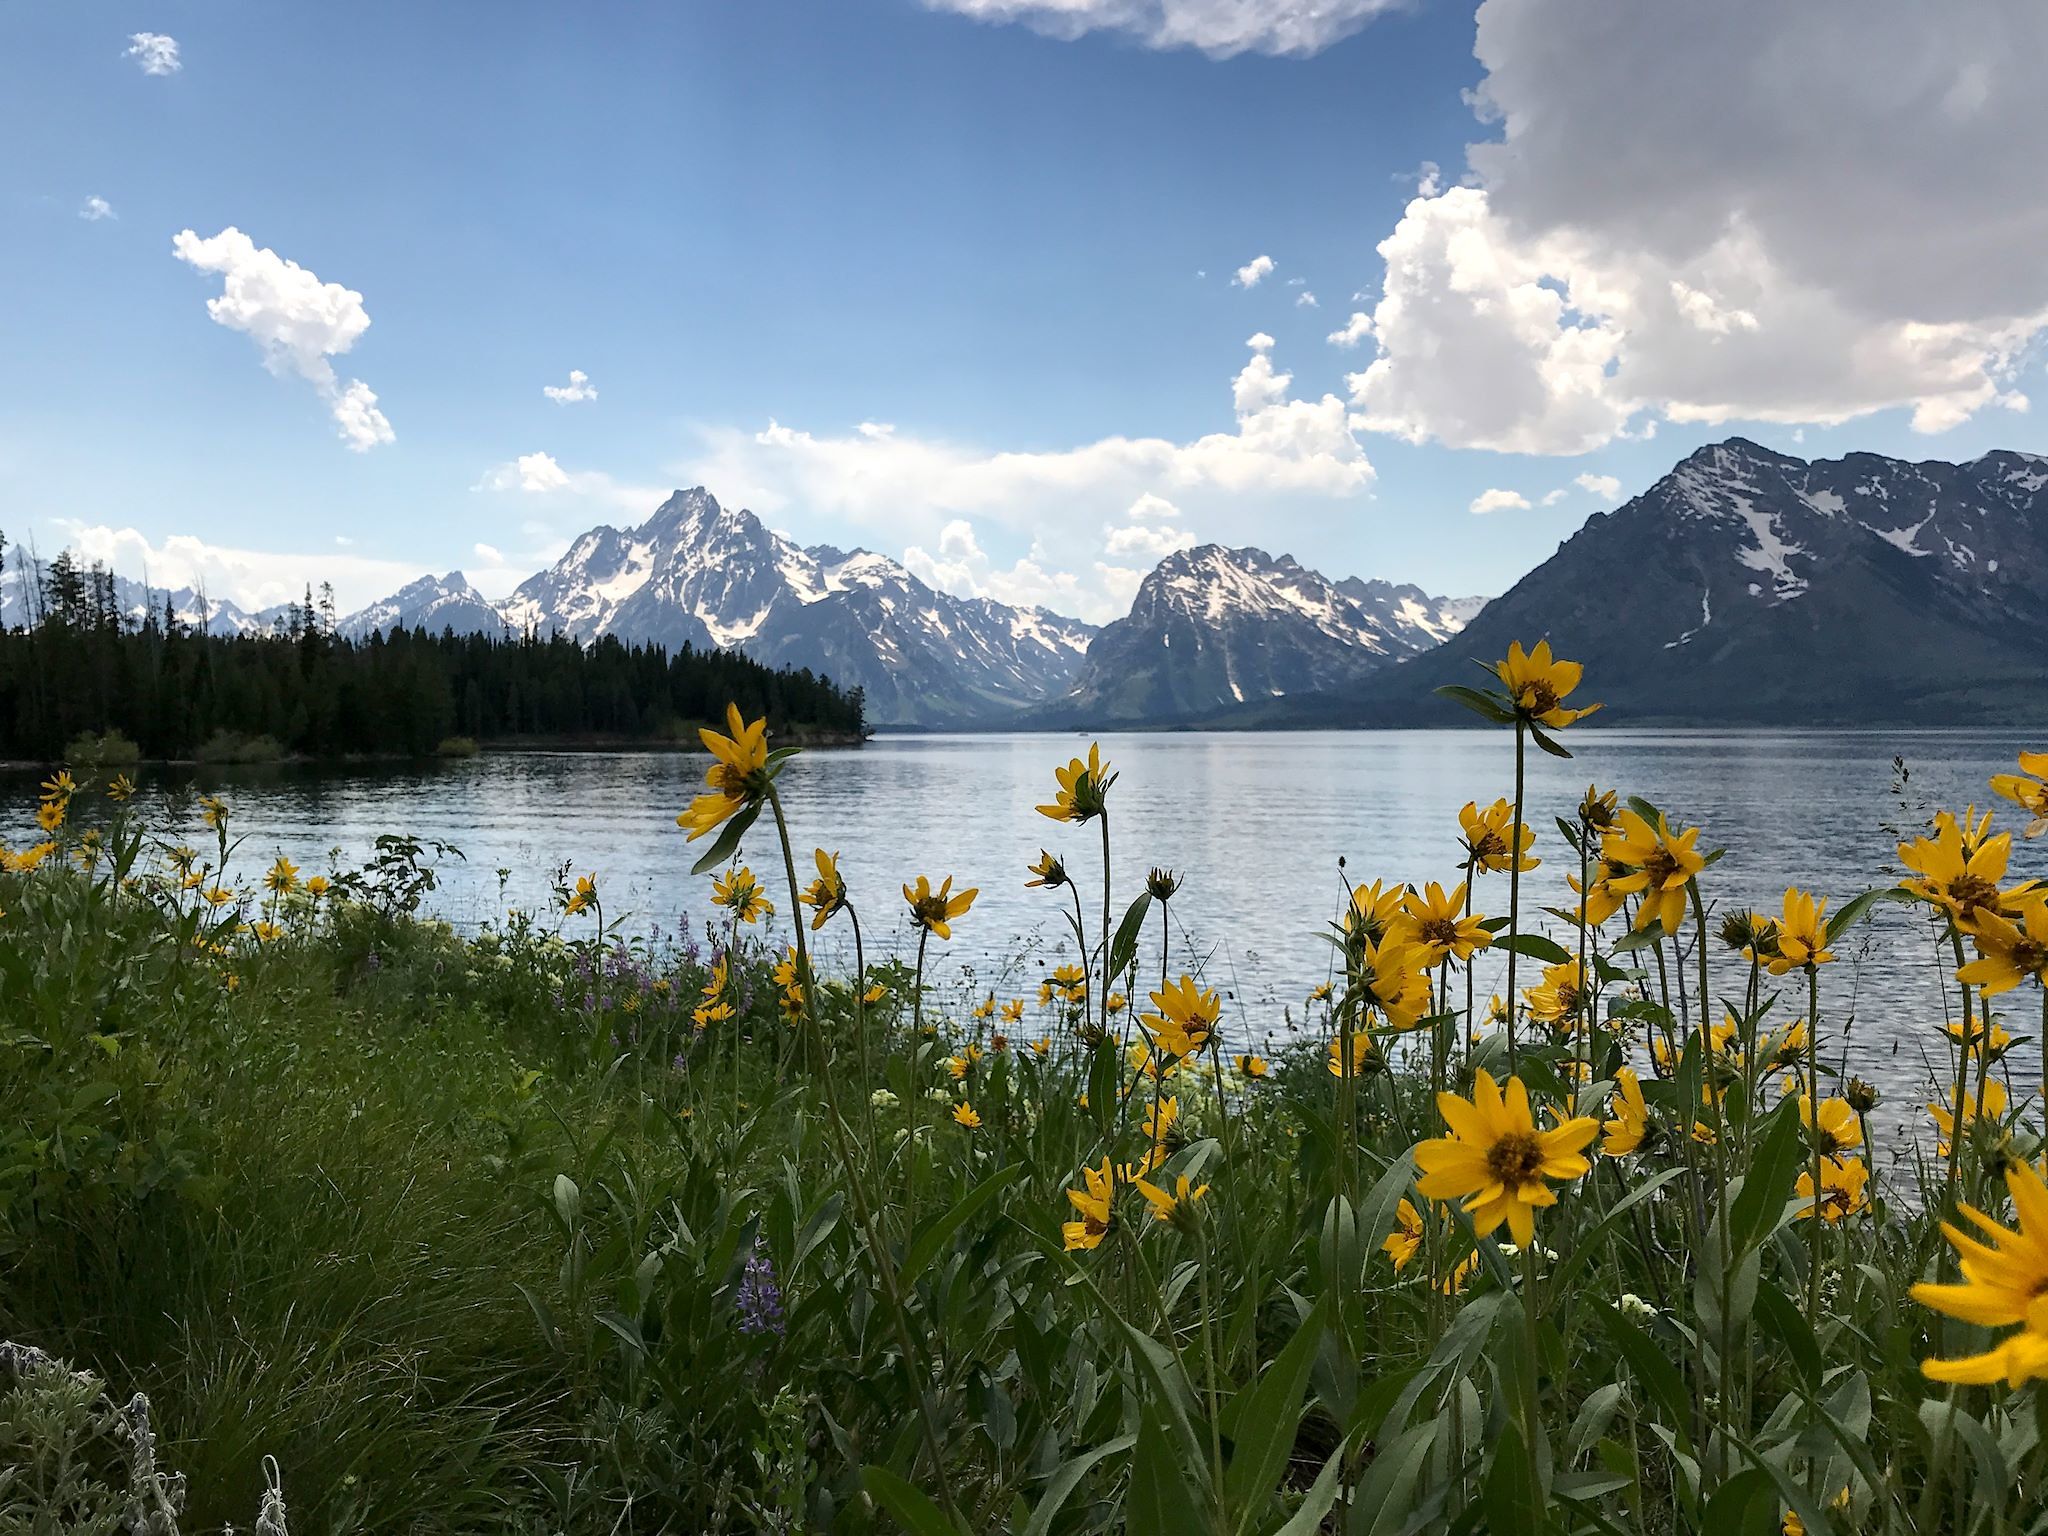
[(1255, 823)]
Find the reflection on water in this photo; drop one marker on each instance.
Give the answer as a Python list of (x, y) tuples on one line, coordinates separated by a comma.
[(1257, 825)]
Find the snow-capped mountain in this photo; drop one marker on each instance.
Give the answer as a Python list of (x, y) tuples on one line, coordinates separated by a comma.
[(1212, 627), (701, 574), (432, 603), (1750, 585)]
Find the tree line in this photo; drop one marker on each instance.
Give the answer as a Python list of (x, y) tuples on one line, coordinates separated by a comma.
[(81, 663)]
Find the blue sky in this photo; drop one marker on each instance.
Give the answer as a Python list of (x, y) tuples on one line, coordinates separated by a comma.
[(973, 259)]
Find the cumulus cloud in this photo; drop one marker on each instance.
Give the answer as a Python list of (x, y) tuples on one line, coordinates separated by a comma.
[(1606, 487), (577, 389), (1149, 508), (1153, 543), (154, 53), (1497, 500), (1305, 300), (1253, 272), (249, 578), (1219, 28), (1352, 331), (962, 567), (296, 320), (1739, 218), (93, 209), (540, 474)]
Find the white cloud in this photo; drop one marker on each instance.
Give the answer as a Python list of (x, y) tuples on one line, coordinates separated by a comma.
[(1253, 272), (1219, 28), (1151, 509), (1497, 500), (1606, 487), (249, 578), (1737, 219), (298, 321), (578, 388), (1353, 331), (962, 567), (1154, 543), (1305, 300), (489, 554), (155, 53), (1552, 498), (96, 208), (539, 474)]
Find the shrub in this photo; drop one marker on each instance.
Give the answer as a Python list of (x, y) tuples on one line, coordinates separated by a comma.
[(95, 750), (234, 747), (456, 746)]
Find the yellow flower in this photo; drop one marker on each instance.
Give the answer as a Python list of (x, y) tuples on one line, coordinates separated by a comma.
[(1454, 1283), (1596, 809), (1657, 864), (1163, 884), (2026, 790), (738, 775), (1493, 839), (1178, 1206), (1437, 926), (2004, 1282), (1631, 1126), (60, 785), (283, 876), (317, 887), (958, 1065), (583, 898), (1093, 1206), (1372, 911), (1497, 1160), (2008, 950), (1253, 1067), (1364, 1058), (1083, 788), (1946, 1121), (1837, 1130), (1958, 869), (1561, 997), (1115, 1003), (986, 1008), (740, 893), (1802, 933), (1391, 975), (1160, 1119), (1070, 981), (874, 994), (50, 815), (1405, 1241), (2001, 1038), (1186, 1018), (934, 910), (266, 932), (219, 896), (1320, 993), (123, 788), (1842, 1189), (1538, 684), (964, 1114), (1792, 1525), (826, 894), (1048, 872)]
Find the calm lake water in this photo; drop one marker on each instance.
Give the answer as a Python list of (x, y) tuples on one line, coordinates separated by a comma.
[(1255, 823)]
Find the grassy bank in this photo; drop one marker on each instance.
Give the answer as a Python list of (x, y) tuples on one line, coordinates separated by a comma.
[(559, 1228)]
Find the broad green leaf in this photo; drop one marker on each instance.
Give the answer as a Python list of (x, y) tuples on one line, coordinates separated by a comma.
[(1261, 1422), (728, 841), (1123, 949), (1164, 1494), (1487, 706), (1061, 1485), (1760, 1202), (913, 1509), (935, 1234), (1536, 947)]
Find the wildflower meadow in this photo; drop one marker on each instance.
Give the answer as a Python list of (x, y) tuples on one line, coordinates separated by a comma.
[(559, 1227)]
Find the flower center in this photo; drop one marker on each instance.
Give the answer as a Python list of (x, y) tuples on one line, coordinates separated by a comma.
[(1441, 930), (1515, 1158), (1538, 698), (1970, 892), (1660, 865)]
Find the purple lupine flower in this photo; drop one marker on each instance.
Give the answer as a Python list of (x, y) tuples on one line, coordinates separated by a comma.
[(759, 1298)]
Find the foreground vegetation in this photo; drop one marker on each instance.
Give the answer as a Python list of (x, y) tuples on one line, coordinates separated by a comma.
[(562, 1228)]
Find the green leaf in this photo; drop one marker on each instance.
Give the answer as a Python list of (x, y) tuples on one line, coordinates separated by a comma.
[(1855, 908), (935, 1234), (1781, 1319), (1261, 1423), (1512, 1498), (1123, 949), (1486, 705), (915, 1512), (1659, 1377), (818, 1228), (1545, 742), (728, 840), (1536, 947), (1745, 1505), (1760, 1203), (1308, 1520), (1163, 1496), (1588, 1247), (1061, 1485), (1386, 1494)]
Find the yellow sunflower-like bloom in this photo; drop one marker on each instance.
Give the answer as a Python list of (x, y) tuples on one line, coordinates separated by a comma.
[(2026, 790), (1405, 1241), (583, 898), (1538, 684), (282, 876), (1599, 900), (2009, 950), (1958, 870), (1497, 1161), (1436, 925), (1973, 1039), (317, 887), (1392, 977), (1160, 1119), (1657, 866), (2004, 1281), (1084, 788), (739, 892), (1092, 1205), (1843, 1182), (934, 910), (1069, 981), (1493, 840), (1253, 1067), (1013, 1011), (1374, 908), (1802, 933), (737, 777), (50, 815), (826, 895), (213, 811), (60, 785), (1561, 997), (1949, 1124), (1178, 1207), (1630, 1127), (1365, 1058), (1186, 1017), (965, 1114), (1837, 1128), (122, 789), (1048, 872), (1792, 1525), (874, 994)]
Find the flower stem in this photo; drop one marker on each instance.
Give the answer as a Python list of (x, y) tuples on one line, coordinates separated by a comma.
[(1515, 889)]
